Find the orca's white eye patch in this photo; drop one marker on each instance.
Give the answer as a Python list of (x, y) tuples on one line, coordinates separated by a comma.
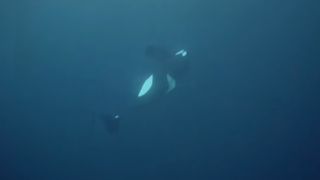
[(146, 86), (182, 53)]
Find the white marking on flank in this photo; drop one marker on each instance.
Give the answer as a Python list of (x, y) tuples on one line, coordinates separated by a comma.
[(146, 86)]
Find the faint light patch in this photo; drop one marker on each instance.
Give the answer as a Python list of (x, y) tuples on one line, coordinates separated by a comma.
[(171, 83)]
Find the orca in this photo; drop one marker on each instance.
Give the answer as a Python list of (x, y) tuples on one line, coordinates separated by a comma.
[(172, 67)]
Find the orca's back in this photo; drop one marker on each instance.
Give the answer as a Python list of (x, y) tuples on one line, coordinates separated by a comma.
[(157, 53)]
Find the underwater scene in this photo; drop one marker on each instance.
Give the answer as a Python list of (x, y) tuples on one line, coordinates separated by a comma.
[(159, 90)]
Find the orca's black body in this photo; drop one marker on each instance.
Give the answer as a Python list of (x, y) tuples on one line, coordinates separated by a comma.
[(171, 67)]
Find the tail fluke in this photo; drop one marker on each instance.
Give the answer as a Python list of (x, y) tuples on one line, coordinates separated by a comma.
[(111, 123)]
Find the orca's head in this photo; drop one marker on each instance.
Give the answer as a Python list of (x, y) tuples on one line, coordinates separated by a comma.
[(157, 53)]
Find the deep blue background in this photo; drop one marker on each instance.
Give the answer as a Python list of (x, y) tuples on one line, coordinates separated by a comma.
[(250, 108)]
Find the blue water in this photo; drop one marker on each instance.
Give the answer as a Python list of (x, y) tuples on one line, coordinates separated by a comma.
[(249, 109)]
